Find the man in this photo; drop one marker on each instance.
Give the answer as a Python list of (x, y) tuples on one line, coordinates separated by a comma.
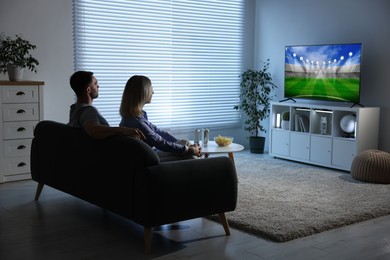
[(84, 115)]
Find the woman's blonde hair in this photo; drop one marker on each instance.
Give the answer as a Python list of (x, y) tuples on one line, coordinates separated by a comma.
[(137, 92)]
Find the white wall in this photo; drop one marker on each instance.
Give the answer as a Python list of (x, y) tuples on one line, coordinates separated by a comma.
[(48, 25), (288, 22)]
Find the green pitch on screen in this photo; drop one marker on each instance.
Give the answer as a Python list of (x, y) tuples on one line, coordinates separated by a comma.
[(340, 89)]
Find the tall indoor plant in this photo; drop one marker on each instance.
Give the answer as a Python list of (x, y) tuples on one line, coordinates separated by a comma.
[(255, 100), (15, 56)]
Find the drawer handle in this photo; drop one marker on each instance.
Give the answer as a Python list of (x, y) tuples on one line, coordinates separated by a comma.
[(22, 164), (20, 147), (20, 93), (21, 111), (21, 129)]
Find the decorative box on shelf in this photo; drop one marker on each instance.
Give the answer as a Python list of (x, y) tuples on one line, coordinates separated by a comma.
[(21, 110), (328, 136)]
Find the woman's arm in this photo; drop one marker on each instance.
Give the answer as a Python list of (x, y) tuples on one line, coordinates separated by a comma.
[(167, 136), (152, 136)]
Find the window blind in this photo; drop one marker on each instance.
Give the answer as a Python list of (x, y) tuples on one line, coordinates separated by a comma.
[(191, 50)]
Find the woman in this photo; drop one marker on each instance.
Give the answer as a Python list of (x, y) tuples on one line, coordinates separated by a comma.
[(137, 93)]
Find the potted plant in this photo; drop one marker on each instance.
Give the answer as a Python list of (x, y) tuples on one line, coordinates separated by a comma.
[(255, 95), (286, 120), (15, 56)]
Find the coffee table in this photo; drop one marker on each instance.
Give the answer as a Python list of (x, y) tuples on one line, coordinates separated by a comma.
[(213, 148)]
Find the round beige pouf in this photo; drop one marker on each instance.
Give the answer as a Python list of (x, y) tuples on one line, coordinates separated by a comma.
[(371, 166)]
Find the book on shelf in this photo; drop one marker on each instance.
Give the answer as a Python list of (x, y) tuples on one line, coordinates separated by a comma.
[(301, 123)]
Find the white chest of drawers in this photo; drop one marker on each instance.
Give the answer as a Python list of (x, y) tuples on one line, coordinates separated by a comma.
[(21, 109)]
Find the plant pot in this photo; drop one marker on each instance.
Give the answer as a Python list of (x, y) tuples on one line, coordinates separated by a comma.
[(256, 144), (15, 73), (285, 125)]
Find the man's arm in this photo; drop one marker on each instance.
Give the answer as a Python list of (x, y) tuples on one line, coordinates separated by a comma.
[(97, 131)]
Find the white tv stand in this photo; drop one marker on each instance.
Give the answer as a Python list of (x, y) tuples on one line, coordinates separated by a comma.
[(332, 148)]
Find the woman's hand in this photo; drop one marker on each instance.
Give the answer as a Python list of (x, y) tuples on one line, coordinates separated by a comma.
[(195, 149)]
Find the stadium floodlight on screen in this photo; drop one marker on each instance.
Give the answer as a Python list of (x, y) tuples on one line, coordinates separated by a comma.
[(325, 72)]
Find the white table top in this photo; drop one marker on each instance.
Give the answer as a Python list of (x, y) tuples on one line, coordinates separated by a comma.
[(213, 148)]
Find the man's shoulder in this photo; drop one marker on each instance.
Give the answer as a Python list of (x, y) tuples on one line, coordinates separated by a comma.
[(78, 107), (81, 113)]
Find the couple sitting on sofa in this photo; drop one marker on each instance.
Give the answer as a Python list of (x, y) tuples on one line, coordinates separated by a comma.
[(137, 93)]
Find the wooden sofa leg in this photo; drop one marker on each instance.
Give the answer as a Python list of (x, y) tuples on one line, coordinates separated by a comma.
[(39, 190), (225, 224), (148, 239)]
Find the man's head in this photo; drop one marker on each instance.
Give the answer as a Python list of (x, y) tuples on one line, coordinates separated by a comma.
[(83, 82)]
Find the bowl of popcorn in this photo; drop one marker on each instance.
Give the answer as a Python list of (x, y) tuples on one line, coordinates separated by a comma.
[(223, 140)]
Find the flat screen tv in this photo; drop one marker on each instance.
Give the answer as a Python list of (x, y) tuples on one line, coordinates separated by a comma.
[(325, 72)]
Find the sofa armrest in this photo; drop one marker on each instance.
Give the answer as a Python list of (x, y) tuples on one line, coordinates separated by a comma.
[(98, 171), (175, 191)]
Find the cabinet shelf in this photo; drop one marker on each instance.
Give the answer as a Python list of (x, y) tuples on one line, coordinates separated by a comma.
[(328, 136)]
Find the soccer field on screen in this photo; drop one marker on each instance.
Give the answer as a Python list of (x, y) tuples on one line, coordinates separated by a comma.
[(340, 89)]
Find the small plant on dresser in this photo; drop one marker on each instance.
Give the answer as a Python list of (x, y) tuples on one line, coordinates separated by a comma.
[(15, 56)]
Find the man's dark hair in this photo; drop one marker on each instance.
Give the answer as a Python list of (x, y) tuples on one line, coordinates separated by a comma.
[(80, 80)]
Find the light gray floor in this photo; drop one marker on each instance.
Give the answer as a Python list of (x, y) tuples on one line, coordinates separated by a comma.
[(60, 226)]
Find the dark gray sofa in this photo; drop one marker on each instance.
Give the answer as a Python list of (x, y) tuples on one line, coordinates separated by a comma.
[(124, 175)]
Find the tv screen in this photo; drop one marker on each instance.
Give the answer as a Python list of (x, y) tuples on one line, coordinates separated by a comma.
[(326, 72)]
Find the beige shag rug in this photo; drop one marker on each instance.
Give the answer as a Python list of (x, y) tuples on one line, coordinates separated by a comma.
[(283, 200)]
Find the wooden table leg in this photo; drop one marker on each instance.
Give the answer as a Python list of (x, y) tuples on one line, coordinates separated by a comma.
[(231, 156)]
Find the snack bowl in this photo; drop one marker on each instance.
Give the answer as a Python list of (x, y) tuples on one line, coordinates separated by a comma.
[(223, 140)]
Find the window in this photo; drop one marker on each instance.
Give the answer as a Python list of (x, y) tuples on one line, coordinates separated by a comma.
[(191, 50)]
